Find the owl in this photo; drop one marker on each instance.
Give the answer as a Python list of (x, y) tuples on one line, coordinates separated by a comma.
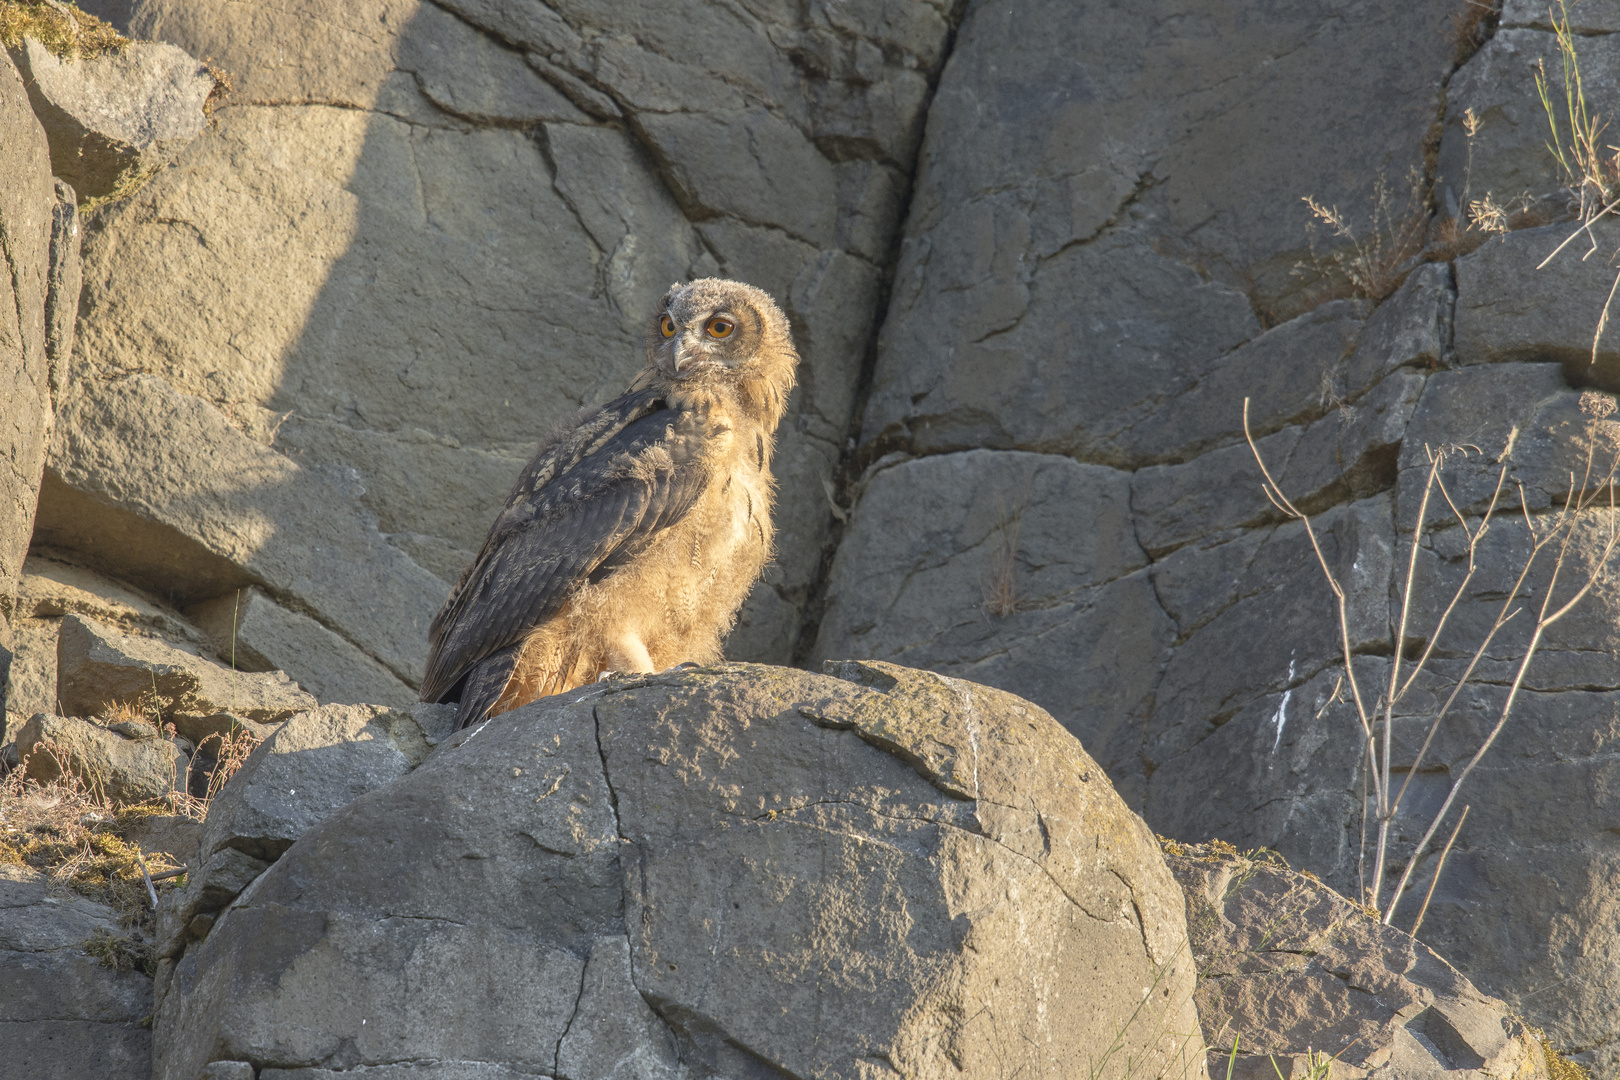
[(636, 532)]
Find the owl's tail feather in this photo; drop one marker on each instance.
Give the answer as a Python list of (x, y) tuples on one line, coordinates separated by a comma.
[(484, 684)]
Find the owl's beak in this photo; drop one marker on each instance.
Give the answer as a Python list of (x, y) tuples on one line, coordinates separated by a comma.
[(688, 358)]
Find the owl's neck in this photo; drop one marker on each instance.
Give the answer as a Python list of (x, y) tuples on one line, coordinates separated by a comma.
[(759, 400)]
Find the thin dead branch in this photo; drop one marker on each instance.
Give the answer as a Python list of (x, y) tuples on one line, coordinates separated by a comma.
[(1439, 866), (1554, 538)]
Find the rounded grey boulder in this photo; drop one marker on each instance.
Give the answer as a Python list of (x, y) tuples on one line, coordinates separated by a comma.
[(741, 871)]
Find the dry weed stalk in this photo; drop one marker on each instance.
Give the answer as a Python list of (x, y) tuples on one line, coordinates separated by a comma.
[(1376, 263), (234, 749), (1000, 590), (1593, 175), (1377, 719)]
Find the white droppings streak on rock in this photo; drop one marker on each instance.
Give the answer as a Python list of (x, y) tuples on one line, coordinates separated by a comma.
[(1281, 716)]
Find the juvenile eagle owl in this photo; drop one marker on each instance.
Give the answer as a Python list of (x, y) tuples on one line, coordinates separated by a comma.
[(632, 538)]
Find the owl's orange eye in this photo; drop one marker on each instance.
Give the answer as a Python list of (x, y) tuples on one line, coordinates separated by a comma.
[(666, 326), (721, 327)]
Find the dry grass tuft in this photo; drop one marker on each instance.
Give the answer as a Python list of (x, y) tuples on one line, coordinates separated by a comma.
[(1560, 1067), (121, 953), (1591, 168), (1471, 27), (224, 87), (78, 841), (1001, 589), (1371, 263), (232, 751), (60, 27)]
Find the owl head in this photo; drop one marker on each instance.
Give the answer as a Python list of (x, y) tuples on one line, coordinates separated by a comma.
[(717, 329)]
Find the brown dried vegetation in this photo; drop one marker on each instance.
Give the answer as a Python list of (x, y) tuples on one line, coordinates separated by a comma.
[(61, 27), (70, 831)]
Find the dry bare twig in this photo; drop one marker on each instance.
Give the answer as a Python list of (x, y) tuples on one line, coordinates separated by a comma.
[(1378, 723)]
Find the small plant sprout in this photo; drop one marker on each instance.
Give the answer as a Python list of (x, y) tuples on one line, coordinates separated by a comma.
[(1551, 538), (1591, 168)]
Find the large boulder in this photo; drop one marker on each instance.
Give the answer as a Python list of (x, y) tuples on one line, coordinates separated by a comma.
[(115, 117), (1292, 973), (63, 1015), (742, 870)]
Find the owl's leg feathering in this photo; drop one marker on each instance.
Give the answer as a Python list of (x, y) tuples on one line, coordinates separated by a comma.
[(628, 653)]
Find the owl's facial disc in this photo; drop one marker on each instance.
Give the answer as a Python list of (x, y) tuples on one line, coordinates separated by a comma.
[(694, 342)]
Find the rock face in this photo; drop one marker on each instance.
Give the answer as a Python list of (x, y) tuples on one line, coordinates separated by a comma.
[(318, 345), (1289, 968), (97, 667), (426, 235), (1055, 496), (703, 873), (50, 590), (39, 246), (62, 1014)]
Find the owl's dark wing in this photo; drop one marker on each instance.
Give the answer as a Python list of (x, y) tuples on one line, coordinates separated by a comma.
[(586, 504)]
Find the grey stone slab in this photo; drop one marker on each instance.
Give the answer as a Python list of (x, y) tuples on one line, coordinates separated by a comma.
[(1351, 453), (1293, 965), (1508, 158), (208, 495), (1280, 626), (1010, 569), (258, 634), (314, 765), (97, 667), (1523, 416), (1413, 328), (1585, 17), (63, 1014), (71, 1049), (977, 352), (126, 112), (1509, 310)]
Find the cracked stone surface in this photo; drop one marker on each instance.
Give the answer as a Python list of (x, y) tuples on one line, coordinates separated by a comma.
[(702, 874), (428, 233), (1293, 967), (1097, 269), (62, 1014)]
